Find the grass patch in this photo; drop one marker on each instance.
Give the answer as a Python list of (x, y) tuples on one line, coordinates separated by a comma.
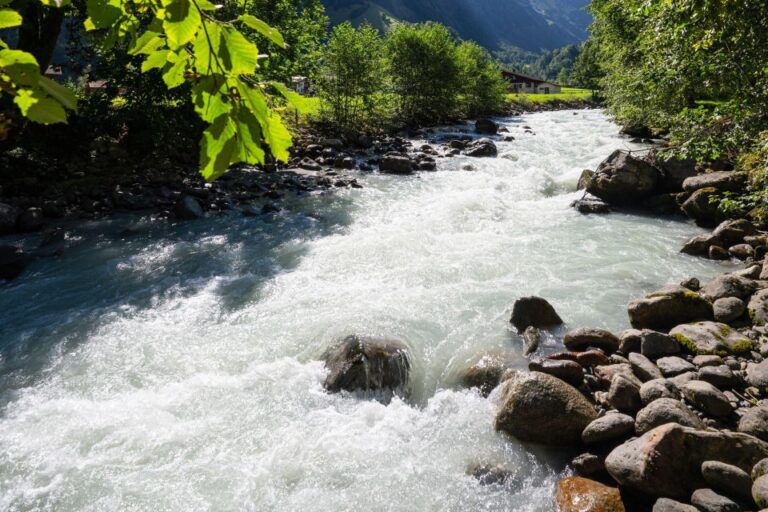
[(566, 94)]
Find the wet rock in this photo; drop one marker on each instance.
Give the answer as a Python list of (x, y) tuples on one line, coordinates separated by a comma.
[(708, 500), (624, 180), (667, 308), (711, 338), (663, 411), (701, 207), (727, 479), (644, 367), (534, 312), (486, 126), (722, 181), (588, 464), (13, 261), (668, 505), (732, 232), (395, 164), (699, 245), (590, 205), (609, 429), (719, 376), (717, 253), (538, 408), (707, 398), (577, 494), (531, 340), (30, 219), (568, 371), (728, 285), (188, 208), (8, 216), (586, 175), (760, 491), (673, 366), (692, 284), (755, 422), (658, 388), (486, 373), (662, 204), (728, 309), (583, 338), (489, 474), (624, 394), (757, 307), (367, 363), (741, 251), (657, 344), (666, 461), (481, 148)]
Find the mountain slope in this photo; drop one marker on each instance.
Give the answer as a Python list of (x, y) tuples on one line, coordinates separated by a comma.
[(529, 24)]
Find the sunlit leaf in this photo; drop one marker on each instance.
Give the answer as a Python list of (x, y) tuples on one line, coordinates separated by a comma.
[(262, 28), (9, 18), (181, 23)]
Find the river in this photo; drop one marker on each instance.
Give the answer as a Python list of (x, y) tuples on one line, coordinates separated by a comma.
[(174, 366)]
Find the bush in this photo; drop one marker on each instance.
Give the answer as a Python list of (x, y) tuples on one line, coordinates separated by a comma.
[(483, 89)]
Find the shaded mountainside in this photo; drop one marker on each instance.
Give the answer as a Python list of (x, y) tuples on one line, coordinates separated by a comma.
[(529, 24)]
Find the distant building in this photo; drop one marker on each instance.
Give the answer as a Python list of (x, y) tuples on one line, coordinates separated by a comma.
[(520, 83), (301, 85), (54, 73)]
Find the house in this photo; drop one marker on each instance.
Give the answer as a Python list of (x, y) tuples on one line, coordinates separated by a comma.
[(520, 83), (302, 85)]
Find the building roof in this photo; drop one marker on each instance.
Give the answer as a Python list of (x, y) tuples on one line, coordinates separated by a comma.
[(522, 77)]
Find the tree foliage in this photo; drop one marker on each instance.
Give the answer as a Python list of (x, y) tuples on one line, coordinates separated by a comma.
[(481, 84)]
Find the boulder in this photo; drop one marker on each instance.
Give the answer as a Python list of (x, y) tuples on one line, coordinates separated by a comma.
[(588, 464), (757, 374), (728, 309), (672, 366), (657, 344), (486, 126), (721, 181), (586, 175), (481, 148), (8, 216), (396, 164), (489, 474), (568, 371), (531, 340), (711, 338), (717, 253), (707, 398), (666, 461), (757, 308), (583, 338), (577, 494), (719, 376), (760, 491), (589, 205), (644, 367), (755, 422), (624, 394), (663, 411), (368, 363), (658, 388), (674, 172), (742, 251), (624, 180), (708, 360), (538, 408), (188, 208), (668, 307), (534, 312), (708, 500), (729, 480), (668, 505), (699, 245), (606, 373), (610, 428), (728, 285), (13, 261), (701, 207), (630, 340), (692, 284), (486, 373), (732, 232)]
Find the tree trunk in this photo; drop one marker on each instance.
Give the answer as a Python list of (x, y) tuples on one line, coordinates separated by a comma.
[(40, 31)]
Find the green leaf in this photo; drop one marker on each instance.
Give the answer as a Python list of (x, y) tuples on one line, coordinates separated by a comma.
[(147, 43), (55, 3), (208, 95), (21, 66), (262, 28), (173, 73), (238, 54), (58, 92), (249, 138), (38, 108), (207, 46), (9, 18), (155, 60), (278, 137), (181, 23), (103, 14), (301, 103), (217, 148)]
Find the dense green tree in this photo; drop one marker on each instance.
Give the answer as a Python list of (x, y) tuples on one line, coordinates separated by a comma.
[(586, 70), (482, 87), (424, 72), (351, 77)]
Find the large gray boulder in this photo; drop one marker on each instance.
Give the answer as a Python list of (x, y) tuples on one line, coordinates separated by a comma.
[(711, 338), (368, 363), (666, 461), (727, 479), (722, 181), (728, 285), (702, 206), (538, 408), (534, 312), (663, 411), (668, 307), (732, 232), (728, 309), (623, 180)]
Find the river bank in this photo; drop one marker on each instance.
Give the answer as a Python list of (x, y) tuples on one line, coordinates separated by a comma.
[(182, 361)]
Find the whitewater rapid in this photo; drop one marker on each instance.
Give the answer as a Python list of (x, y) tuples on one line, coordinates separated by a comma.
[(174, 367)]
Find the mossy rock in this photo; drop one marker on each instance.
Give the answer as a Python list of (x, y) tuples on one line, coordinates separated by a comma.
[(705, 338), (668, 307)]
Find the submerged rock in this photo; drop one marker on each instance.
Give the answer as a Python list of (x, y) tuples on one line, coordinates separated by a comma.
[(486, 373), (538, 408), (669, 307), (591, 205), (366, 363), (577, 494), (534, 312)]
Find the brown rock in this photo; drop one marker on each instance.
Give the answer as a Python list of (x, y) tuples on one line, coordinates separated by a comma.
[(577, 494)]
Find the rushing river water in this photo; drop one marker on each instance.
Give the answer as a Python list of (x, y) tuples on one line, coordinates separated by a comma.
[(174, 367)]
